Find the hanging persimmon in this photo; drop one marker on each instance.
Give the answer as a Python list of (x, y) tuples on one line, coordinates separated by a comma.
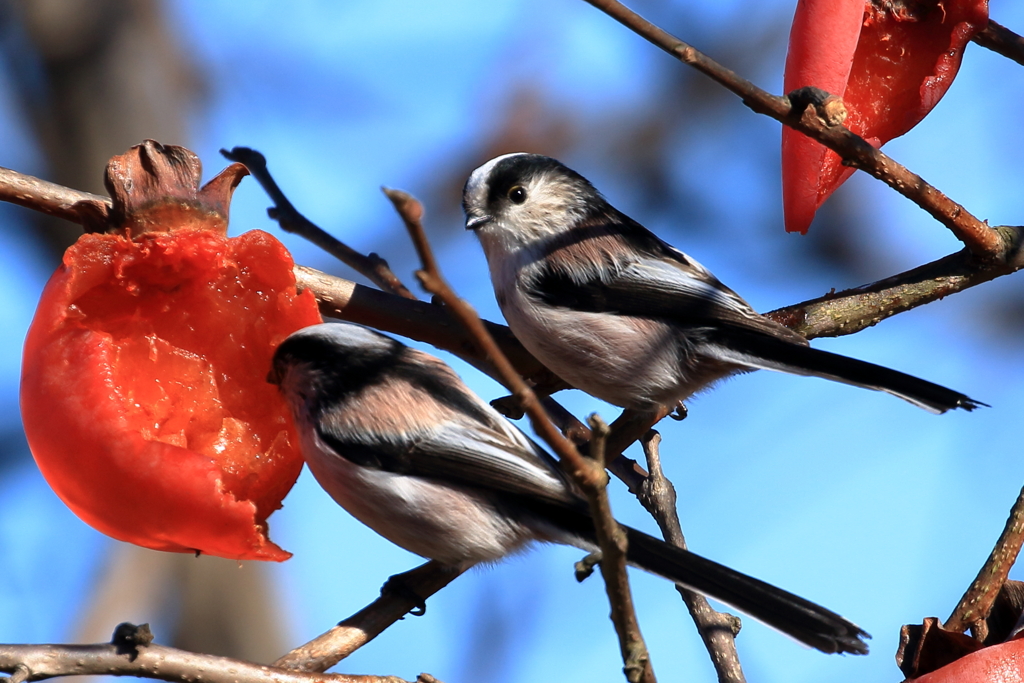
[(144, 393), (891, 61)]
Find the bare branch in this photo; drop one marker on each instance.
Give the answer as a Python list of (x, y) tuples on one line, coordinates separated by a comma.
[(589, 474), (657, 495), (51, 199), (630, 426), (806, 117), (613, 542), (38, 662), (373, 267), (842, 313), (718, 630), (627, 428), (419, 320), (328, 649), (1001, 40), (977, 602), (430, 277)]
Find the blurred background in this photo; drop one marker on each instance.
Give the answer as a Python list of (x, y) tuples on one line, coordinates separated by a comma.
[(854, 499)]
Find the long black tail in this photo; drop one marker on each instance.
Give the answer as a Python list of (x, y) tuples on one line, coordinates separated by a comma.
[(802, 619), (758, 350)]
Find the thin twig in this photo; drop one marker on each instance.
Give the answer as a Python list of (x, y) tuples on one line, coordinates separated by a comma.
[(976, 603), (717, 629), (855, 151), (626, 430), (613, 543), (1001, 40), (328, 649), (411, 212), (657, 495), (591, 478), (373, 267), (630, 426)]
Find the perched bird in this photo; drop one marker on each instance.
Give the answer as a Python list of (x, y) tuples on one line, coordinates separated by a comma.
[(396, 438), (615, 311)]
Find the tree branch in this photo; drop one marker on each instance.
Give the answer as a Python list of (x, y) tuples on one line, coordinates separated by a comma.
[(419, 320), (807, 117), (589, 474), (977, 602), (430, 277), (328, 649), (718, 630), (842, 313), (50, 198), (147, 660), (1001, 40), (614, 544)]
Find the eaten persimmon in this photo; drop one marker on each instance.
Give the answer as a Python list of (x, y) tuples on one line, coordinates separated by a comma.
[(144, 393)]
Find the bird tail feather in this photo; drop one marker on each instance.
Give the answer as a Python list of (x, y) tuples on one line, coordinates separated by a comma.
[(753, 349), (802, 619)]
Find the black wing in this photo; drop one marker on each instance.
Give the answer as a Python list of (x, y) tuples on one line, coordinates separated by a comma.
[(468, 454), (639, 275)]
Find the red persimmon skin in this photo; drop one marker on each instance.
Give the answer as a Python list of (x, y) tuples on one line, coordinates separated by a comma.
[(1003, 663), (144, 393), (822, 42), (890, 60)]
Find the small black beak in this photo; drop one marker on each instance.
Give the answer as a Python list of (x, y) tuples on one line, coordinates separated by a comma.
[(475, 222)]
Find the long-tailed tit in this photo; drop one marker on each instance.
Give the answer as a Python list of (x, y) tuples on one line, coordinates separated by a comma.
[(617, 312), (396, 438)]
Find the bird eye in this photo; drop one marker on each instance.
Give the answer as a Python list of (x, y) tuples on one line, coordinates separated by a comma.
[(517, 194)]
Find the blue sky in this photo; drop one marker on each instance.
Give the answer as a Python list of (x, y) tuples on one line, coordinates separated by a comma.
[(851, 498)]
